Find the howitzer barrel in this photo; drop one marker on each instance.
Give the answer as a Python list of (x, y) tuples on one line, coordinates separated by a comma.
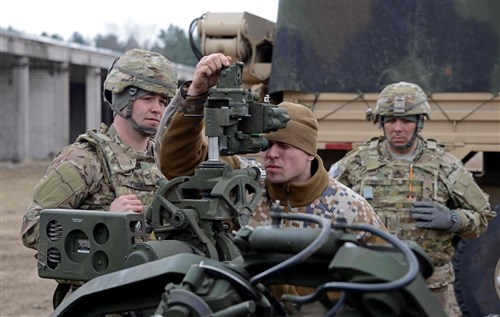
[(293, 240)]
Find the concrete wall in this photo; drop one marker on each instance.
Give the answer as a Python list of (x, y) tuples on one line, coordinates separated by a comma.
[(50, 92)]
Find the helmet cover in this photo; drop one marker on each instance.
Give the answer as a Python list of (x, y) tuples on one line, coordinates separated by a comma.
[(401, 100), (143, 69)]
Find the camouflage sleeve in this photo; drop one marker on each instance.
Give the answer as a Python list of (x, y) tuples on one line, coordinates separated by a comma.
[(245, 162), (468, 199), (72, 175), (346, 169)]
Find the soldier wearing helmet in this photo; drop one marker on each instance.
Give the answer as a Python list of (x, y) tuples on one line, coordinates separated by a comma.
[(113, 168), (420, 191), (404, 101), (136, 74)]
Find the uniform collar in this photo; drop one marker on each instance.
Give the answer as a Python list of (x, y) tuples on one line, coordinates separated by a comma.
[(301, 194)]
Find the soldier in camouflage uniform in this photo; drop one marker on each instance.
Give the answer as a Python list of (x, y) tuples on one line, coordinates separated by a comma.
[(295, 175), (113, 168), (420, 191)]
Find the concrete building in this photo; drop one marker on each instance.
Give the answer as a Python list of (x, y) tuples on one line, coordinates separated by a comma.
[(50, 92)]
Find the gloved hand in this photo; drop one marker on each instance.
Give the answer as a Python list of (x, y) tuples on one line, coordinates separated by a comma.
[(433, 215)]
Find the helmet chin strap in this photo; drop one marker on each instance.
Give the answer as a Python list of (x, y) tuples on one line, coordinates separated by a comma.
[(134, 94), (146, 131)]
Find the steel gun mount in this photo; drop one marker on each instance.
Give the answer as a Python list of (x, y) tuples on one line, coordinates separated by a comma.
[(197, 267), (202, 209)]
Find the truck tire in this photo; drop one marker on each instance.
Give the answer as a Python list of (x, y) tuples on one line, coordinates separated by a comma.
[(477, 272)]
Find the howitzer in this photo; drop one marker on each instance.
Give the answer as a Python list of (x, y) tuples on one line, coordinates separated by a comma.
[(373, 280), (198, 266)]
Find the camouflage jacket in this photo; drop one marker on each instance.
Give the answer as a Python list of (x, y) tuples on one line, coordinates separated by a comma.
[(89, 174), (435, 175), (321, 195)]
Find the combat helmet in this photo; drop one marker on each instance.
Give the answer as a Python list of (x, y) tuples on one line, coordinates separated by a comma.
[(401, 100), (404, 100), (134, 74)]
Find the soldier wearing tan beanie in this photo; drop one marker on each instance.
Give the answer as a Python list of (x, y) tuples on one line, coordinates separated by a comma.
[(301, 131), (295, 175)]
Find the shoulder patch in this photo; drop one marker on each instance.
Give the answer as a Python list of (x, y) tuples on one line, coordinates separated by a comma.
[(58, 186)]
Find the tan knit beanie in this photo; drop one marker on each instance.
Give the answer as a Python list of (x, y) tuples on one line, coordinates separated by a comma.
[(301, 131)]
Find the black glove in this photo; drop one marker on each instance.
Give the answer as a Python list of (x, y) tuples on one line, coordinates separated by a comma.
[(432, 215)]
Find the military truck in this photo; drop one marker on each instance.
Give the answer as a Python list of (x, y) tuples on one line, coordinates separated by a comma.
[(335, 56)]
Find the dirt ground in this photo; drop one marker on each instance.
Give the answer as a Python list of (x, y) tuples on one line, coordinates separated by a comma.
[(22, 291)]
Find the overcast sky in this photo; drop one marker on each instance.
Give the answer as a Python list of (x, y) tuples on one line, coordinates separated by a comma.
[(92, 17)]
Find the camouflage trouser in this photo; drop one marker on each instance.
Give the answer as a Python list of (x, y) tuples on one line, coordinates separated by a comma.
[(453, 304), (441, 293)]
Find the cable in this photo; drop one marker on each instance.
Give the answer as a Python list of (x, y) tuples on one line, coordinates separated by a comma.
[(406, 279), (196, 51), (323, 223)]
